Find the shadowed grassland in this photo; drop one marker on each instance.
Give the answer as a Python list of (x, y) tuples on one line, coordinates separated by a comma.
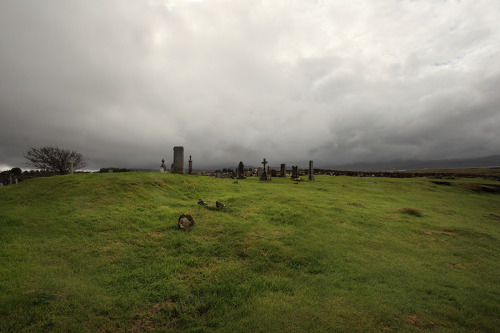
[(102, 252)]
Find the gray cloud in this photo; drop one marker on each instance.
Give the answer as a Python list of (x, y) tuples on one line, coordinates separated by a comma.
[(125, 81)]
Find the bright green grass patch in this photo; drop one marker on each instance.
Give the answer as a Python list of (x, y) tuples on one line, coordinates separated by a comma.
[(102, 252)]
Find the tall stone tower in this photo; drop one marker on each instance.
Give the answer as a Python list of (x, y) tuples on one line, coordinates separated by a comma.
[(178, 165)]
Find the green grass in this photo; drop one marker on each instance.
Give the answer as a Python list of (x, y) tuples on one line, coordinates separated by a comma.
[(102, 252)]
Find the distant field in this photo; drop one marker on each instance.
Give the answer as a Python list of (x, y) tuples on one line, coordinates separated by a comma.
[(468, 171), (102, 252)]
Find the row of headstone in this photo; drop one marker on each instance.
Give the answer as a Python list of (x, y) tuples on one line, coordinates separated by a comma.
[(9, 181), (266, 173), (295, 171)]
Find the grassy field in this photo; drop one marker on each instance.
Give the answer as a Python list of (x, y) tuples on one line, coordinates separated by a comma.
[(102, 252)]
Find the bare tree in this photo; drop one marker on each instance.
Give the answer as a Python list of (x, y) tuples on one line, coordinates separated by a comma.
[(54, 159)]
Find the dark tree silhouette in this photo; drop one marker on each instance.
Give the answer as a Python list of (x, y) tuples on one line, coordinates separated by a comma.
[(54, 159)]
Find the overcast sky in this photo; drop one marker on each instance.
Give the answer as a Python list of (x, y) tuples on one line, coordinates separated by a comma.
[(123, 82)]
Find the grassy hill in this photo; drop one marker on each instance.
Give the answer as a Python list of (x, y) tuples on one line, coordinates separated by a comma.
[(102, 252)]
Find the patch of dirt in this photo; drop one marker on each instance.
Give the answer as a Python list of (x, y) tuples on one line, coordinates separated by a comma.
[(413, 320), (443, 231), (155, 234), (145, 320), (457, 266), (478, 187), (411, 211), (440, 240), (441, 182), (356, 204)]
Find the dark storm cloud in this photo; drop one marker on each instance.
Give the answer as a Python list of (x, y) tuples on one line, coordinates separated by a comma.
[(125, 81)]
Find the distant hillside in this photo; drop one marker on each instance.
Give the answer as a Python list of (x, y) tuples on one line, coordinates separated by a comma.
[(483, 162)]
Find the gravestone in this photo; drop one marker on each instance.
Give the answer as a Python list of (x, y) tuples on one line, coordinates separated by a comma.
[(295, 171), (311, 170), (185, 221), (268, 173), (71, 164), (259, 172), (163, 167), (190, 170), (265, 173), (274, 173), (217, 174), (178, 165), (241, 171), (283, 170)]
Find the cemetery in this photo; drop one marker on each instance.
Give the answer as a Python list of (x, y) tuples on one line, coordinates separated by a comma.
[(142, 251)]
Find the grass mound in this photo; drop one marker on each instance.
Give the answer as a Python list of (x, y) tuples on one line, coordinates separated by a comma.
[(103, 252)]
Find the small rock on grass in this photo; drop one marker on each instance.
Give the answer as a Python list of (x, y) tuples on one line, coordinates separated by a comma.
[(185, 221)]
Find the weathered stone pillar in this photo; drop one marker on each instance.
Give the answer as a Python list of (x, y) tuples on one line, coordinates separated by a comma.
[(311, 170), (178, 165)]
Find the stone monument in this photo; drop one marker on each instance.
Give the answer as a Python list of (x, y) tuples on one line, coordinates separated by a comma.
[(264, 175), (163, 167), (283, 170), (241, 171), (178, 165), (295, 171), (190, 170), (71, 164), (311, 170)]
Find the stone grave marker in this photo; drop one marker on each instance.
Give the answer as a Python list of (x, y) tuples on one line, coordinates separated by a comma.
[(241, 171), (311, 170), (185, 221), (265, 173), (163, 167)]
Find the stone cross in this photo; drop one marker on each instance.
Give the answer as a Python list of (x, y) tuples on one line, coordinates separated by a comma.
[(264, 175), (264, 162)]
